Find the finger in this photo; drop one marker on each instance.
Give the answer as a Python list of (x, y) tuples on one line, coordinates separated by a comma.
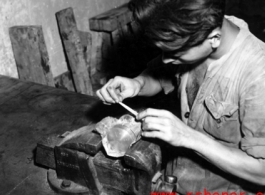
[(105, 94), (153, 134), (120, 89), (153, 127), (99, 95), (106, 103), (101, 98), (120, 96), (113, 91), (155, 113), (157, 120)]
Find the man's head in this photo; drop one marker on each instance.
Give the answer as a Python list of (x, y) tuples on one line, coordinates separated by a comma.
[(178, 25)]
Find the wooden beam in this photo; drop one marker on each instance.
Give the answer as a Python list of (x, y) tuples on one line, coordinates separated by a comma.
[(74, 51), (111, 20), (64, 81), (31, 54)]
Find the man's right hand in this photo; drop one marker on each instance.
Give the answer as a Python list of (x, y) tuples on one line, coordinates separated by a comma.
[(117, 89)]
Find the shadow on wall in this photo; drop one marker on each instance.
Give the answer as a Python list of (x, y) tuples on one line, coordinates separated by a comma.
[(133, 52)]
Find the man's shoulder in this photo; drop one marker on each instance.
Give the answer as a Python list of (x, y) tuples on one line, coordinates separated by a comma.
[(237, 21), (249, 38), (253, 47)]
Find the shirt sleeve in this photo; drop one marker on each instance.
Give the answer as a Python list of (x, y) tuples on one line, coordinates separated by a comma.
[(163, 73), (253, 113), (254, 146)]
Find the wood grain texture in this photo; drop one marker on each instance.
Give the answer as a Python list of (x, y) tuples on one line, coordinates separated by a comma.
[(103, 50), (32, 113), (31, 54), (111, 20), (74, 49), (121, 49), (29, 114), (65, 81)]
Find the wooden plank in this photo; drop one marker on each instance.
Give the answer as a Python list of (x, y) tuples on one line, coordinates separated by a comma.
[(101, 57), (120, 34), (74, 51), (31, 54), (31, 113), (64, 81), (100, 51), (106, 46), (111, 20), (86, 42)]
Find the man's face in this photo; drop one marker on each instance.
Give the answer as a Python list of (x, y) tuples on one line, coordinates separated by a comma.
[(191, 56)]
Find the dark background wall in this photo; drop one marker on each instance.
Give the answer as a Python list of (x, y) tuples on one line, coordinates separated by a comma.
[(38, 12), (252, 11)]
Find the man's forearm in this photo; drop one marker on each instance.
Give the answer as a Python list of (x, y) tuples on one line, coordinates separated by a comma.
[(149, 85), (231, 160)]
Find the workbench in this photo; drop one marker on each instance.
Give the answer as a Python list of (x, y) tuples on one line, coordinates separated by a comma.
[(29, 113)]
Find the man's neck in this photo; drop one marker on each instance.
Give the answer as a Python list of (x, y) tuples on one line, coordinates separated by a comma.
[(229, 33)]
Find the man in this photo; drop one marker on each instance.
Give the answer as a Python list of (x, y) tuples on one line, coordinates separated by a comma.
[(218, 67)]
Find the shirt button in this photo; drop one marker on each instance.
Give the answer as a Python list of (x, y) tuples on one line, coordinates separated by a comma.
[(187, 114), (218, 121)]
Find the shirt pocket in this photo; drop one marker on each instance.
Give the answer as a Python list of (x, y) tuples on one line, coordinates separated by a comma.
[(222, 120)]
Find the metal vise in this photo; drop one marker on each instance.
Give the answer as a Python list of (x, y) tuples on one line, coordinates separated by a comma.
[(78, 164)]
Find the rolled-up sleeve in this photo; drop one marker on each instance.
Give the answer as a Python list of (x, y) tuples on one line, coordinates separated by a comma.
[(253, 113), (254, 146)]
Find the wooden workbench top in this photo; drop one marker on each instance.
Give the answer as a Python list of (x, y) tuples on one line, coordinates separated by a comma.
[(29, 113)]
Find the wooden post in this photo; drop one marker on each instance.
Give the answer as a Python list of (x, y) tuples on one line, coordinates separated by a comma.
[(74, 49), (111, 20), (31, 54), (65, 81), (107, 27)]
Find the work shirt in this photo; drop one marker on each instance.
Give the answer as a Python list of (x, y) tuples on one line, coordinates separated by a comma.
[(229, 108)]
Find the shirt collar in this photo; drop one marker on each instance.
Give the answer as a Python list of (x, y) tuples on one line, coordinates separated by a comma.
[(242, 35)]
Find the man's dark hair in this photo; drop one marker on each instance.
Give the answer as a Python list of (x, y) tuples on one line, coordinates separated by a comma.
[(178, 24)]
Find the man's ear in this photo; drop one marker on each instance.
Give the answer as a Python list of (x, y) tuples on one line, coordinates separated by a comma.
[(215, 38)]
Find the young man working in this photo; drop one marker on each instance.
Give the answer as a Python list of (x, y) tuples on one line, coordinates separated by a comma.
[(218, 67)]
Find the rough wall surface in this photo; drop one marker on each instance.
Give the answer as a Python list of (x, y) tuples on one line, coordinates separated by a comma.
[(39, 12)]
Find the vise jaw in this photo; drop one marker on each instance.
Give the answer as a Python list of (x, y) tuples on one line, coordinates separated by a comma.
[(78, 164)]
